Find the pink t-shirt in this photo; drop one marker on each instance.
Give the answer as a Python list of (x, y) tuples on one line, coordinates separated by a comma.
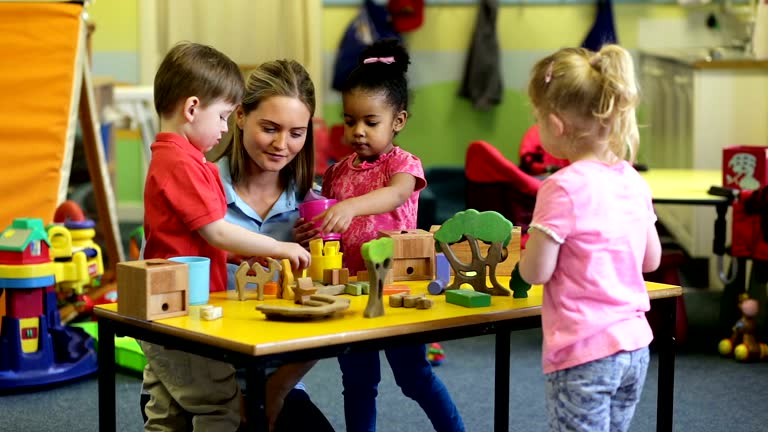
[(343, 181), (595, 303)]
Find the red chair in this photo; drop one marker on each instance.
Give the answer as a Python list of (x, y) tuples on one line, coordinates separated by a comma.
[(496, 184), (534, 160)]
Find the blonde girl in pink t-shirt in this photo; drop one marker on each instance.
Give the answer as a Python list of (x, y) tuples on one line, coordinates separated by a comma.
[(378, 187), (592, 238)]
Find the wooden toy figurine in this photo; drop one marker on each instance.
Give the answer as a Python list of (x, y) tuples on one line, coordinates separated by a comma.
[(378, 259), (262, 277)]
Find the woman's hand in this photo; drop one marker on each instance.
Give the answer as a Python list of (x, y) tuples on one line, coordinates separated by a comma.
[(304, 231)]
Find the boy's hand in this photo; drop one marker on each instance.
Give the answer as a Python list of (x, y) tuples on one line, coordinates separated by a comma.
[(337, 218), (295, 253), (304, 231)]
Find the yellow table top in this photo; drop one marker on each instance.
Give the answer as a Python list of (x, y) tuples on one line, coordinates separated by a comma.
[(244, 329), (683, 186)]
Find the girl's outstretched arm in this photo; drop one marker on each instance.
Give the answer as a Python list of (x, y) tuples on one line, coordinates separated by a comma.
[(538, 261), (384, 200)]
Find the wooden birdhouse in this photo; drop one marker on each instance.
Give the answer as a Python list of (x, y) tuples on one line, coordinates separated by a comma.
[(414, 254)]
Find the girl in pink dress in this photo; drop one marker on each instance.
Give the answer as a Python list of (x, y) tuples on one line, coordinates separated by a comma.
[(592, 237), (378, 187)]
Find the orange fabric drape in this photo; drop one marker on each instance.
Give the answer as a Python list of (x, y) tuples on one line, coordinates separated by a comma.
[(39, 60)]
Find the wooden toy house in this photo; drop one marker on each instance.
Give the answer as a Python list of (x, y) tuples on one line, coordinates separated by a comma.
[(414, 254)]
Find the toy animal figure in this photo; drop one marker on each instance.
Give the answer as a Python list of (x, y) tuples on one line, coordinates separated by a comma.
[(743, 342)]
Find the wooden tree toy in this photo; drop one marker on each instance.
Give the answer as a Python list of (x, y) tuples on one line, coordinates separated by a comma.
[(517, 284), (473, 227), (378, 259), (262, 276)]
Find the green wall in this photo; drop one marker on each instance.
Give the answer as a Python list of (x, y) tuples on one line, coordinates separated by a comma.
[(431, 132)]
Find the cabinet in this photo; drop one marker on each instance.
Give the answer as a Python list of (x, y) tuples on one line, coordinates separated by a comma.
[(693, 108)]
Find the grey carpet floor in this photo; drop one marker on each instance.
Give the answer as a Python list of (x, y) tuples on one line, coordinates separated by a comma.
[(711, 393)]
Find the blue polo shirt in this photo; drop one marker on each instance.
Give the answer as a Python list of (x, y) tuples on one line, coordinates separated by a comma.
[(278, 223)]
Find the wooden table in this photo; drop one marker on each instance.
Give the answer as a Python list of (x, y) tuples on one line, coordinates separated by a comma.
[(245, 338), (684, 186), (690, 187)]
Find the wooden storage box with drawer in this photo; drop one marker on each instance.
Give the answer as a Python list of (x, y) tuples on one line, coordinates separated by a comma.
[(414, 254), (152, 289)]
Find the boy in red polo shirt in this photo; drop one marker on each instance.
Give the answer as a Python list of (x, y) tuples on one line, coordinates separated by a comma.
[(196, 89)]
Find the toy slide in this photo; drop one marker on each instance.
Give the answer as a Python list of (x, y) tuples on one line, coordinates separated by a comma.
[(128, 353)]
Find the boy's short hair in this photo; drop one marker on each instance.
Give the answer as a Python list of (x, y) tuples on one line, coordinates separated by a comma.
[(191, 69)]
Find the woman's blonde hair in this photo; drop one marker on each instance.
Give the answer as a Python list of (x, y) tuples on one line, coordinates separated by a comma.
[(274, 78), (592, 92)]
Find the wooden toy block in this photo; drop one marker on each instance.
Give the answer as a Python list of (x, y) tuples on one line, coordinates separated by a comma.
[(396, 289), (353, 289), (410, 301), (396, 300), (331, 276), (464, 253), (437, 286), (362, 275), (271, 288), (300, 294), (287, 280), (343, 275), (152, 289), (210, 313), (331, 289), (413, 257), (194, 311), (442, 268), (305, 283), (467, 298), (424, 303), (366, 287)]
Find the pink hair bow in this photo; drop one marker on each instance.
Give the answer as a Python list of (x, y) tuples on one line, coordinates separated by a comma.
[(387, 60)]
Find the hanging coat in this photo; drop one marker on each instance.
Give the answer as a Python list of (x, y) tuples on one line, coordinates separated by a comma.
[(482, 82), (603, 31), (372, 23)]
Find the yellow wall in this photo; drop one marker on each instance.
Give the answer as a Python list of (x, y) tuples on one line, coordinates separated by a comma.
[(117, 27)]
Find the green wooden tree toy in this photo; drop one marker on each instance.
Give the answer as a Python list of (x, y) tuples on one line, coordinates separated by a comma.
[(378, 260), (472, 226)]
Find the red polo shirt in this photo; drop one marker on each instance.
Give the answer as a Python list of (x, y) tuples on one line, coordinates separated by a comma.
[(183, 193)]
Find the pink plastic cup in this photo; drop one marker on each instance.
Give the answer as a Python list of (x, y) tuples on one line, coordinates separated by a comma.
[(310, 209)]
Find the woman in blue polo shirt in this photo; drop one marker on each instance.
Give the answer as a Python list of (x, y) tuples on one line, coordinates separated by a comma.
[(266, 163)]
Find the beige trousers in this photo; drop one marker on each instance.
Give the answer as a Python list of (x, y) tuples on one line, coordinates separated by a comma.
[(180, 383)]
